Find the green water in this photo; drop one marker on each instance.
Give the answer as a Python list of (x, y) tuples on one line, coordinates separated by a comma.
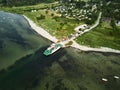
[(17, 39), (67, 69)]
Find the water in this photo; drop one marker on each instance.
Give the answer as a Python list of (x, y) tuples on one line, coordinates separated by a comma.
[(17, 39), (67, 69)]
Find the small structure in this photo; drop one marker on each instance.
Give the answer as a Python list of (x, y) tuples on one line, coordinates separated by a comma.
[(104, 79), (116, 77), (106, 19), (81, 28), (33, 10), (118, 23)]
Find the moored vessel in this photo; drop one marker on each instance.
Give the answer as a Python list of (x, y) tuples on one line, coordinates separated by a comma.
[(52, 48)]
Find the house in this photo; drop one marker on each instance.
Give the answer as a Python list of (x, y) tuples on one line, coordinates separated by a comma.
[(117, 23), (81, 28)]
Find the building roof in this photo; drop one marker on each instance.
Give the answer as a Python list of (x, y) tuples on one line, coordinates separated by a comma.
[(80, 27)]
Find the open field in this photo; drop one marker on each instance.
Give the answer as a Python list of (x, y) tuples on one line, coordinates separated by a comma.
[(103, 35), (85, 0), (22, 9), (55, 24)]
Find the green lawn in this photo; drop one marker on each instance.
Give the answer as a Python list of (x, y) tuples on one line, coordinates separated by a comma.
[(85, 0), (55, 25), (101, 36), (22, 9)]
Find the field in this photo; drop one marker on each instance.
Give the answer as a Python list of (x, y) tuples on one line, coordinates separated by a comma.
[(55, 24), (85, 0), (103, 35)]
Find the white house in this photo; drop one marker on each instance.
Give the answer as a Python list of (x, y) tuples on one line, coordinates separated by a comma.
[(81, 27), (118, 23)]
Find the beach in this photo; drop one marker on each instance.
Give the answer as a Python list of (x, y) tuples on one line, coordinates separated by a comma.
[(45, 34), (41, 31), (86, 48)]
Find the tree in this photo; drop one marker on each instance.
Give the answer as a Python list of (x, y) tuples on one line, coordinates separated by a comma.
[(113, 25), (46, 11), (40, 17), (52, 14)]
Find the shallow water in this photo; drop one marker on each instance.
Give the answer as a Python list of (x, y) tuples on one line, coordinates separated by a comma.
[(17, 39)]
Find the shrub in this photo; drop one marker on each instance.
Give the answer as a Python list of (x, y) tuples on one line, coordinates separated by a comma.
[(69, 43), (40, 17)]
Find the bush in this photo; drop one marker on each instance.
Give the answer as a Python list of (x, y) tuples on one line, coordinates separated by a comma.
[(46, 11), (52, 14), (40, 17), (69, 43)]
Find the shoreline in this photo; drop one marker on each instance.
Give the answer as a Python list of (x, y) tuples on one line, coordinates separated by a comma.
[(48, 36), (101, 49), (40, 30)]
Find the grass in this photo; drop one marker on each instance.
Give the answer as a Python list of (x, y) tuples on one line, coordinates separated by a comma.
[(22, 9), (85, 0), (58, 26), (55, 25), (101, 36)]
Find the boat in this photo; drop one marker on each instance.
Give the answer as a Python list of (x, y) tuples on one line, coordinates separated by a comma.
[(52, 48)]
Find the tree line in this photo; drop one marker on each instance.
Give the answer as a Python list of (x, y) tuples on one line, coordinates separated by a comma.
[(23, 2)]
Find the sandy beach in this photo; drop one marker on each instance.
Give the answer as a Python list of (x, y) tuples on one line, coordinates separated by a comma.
[(40, 30), (45, 34), (101, 49)]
